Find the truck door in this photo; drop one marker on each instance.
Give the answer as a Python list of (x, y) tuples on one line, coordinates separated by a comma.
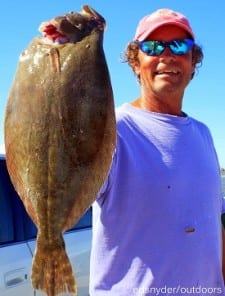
[(15, 256)]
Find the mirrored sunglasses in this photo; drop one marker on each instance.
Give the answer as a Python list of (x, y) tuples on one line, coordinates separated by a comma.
[(156, 47)]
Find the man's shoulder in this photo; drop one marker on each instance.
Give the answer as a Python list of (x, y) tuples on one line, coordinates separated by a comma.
[(122, 111), (199, 124), (126, 112), (123, 115)]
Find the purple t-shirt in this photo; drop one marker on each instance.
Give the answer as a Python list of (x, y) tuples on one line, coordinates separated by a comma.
[(157, 220)]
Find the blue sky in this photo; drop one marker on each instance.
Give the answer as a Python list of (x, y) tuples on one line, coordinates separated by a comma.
[(205, 96)]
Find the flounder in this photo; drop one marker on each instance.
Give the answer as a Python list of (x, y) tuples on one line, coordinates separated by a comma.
[(60, 135)]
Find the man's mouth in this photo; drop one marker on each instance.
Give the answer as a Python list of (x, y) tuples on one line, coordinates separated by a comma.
[(167, 72)]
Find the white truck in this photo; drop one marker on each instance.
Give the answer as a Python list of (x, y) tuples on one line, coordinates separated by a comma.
[(17, 243)]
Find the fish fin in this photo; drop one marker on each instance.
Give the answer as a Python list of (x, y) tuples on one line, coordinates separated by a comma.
[(52, 271)]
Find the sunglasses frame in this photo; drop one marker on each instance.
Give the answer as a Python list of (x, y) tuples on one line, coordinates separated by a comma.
[(166, 44)]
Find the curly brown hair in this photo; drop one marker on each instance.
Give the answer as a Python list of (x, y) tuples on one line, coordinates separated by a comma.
[(131, 55)]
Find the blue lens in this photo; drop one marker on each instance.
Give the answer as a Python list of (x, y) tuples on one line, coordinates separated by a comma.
[(182, 46), (156, 47), (152, 47)]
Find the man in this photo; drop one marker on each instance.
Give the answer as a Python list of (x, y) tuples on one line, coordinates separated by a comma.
[(157, 220)]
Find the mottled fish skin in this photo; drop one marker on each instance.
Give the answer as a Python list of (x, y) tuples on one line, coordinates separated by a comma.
[(60, 136)]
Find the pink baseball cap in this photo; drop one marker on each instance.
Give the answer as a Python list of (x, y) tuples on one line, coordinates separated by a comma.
[(161, 17)]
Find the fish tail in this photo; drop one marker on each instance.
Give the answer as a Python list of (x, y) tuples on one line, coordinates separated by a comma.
[(52, 271)]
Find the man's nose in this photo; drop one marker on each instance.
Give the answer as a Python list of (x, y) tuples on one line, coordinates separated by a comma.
[(167, 54)]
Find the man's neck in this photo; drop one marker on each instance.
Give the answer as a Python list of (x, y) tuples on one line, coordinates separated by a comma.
[(159, 106)]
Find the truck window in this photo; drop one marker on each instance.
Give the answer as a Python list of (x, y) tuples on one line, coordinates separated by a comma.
[(6, 216), (15, 223)]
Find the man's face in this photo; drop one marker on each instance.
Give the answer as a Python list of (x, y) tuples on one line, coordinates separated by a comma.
[(167, 73)]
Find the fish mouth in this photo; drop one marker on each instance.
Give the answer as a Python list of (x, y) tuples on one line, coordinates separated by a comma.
[(72, 27)]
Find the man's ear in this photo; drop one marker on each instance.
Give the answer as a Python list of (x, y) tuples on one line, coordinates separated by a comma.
[(136, 68)]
